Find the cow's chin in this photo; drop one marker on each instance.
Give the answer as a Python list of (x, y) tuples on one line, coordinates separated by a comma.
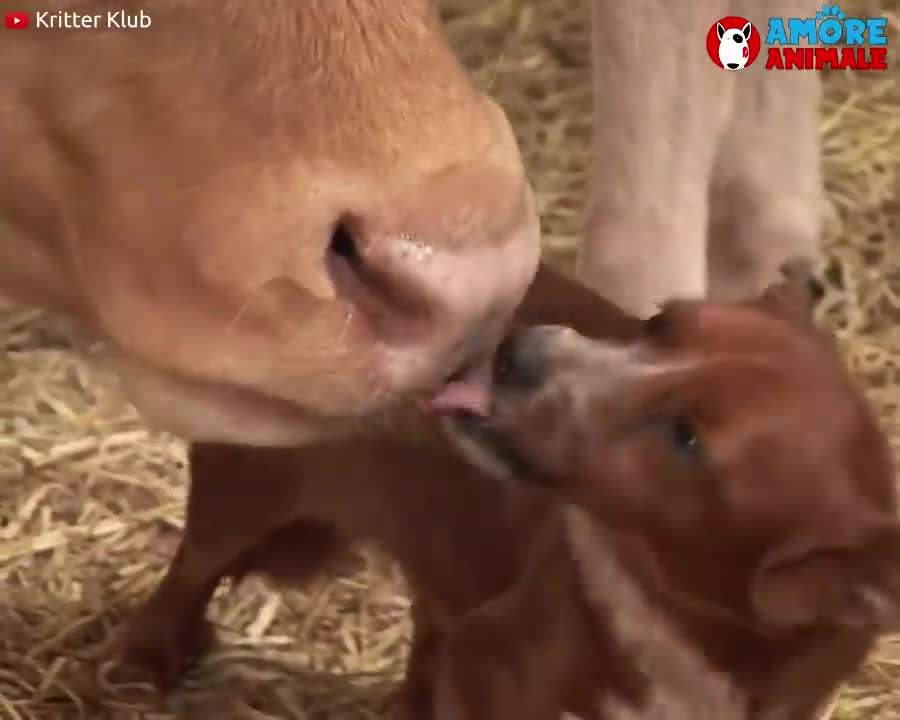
[(209, 412)]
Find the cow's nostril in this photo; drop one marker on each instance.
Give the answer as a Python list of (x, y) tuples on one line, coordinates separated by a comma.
[(343, 244), (375, 282), (345, 262)]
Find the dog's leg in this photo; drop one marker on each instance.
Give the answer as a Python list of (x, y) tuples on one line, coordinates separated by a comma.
[(235, 506), (767, 197), (487, 672), (660, 106), (509, 658), (417, 697), (476, 677)]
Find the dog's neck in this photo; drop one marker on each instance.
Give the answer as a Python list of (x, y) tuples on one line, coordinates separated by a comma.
[(686, 678), (682, 683)]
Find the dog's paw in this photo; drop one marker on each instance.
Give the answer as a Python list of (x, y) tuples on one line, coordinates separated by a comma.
[(147, 650)]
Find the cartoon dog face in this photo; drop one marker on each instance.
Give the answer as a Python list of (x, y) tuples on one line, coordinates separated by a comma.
[(734, 52)]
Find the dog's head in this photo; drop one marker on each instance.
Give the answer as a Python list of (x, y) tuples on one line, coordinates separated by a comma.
[(730, 443)]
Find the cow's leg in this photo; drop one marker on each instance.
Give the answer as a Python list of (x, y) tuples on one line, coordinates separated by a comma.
[(239, 519), (767, 197), (660, 107)]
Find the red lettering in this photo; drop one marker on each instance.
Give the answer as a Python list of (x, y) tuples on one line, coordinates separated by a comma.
[(775, 60), (793, 58), (826, 55), (821, 58), (861, 62), (848, 59)]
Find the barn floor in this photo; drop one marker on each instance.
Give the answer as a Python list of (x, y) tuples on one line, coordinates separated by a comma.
[(91, 501)]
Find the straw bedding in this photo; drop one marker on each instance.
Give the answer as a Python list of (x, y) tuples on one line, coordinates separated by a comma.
[(91, 501)]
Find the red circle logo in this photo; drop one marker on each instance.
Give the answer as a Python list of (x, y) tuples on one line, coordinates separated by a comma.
[(733, 43)]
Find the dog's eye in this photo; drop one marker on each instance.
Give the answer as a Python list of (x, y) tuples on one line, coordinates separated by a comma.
[(683, 435)]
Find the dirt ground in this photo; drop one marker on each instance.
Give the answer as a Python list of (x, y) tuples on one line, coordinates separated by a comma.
[(91, 501)]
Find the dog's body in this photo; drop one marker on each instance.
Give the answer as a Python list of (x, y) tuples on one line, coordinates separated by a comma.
[(668, 560)]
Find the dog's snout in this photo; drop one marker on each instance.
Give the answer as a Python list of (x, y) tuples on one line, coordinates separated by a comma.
[(524, 357), (520, 360)]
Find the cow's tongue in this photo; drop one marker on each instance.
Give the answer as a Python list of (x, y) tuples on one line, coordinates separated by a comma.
[(469, 391)]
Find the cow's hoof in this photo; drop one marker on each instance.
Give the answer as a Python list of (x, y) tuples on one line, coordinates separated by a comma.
[(148, 651)]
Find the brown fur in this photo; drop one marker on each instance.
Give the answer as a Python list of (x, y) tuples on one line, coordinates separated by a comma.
[(704, 527), (177, 198)]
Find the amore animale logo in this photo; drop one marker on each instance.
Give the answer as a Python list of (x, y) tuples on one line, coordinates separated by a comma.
[(733, 43), (811, 43), (828, 40)]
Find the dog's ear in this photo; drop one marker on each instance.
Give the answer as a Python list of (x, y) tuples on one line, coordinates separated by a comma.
[(720, 30), (790, 301), (745, 31), (814, 581), (801, 272), (795, 297)]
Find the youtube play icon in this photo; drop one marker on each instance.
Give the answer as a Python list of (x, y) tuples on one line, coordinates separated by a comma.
[(16, 20)]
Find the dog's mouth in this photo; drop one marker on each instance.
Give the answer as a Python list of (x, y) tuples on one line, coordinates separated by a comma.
[(466, 404), (489, 441), (468, 390)]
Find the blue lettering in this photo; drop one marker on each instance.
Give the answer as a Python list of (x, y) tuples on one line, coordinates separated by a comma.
[(854, 30), (876, 31), (777, 35), (802, 29), (830, 31)]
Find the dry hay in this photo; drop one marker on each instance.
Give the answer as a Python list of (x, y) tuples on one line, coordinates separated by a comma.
[(91, 501)]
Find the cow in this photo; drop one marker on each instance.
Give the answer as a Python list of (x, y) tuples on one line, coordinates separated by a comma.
[(275, 218), (313, 213)]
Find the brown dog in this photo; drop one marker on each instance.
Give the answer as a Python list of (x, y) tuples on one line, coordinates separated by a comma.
[(701, 526)]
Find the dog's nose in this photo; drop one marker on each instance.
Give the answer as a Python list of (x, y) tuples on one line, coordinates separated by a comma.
[(523, 358), (520, 360), (731, 66)]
